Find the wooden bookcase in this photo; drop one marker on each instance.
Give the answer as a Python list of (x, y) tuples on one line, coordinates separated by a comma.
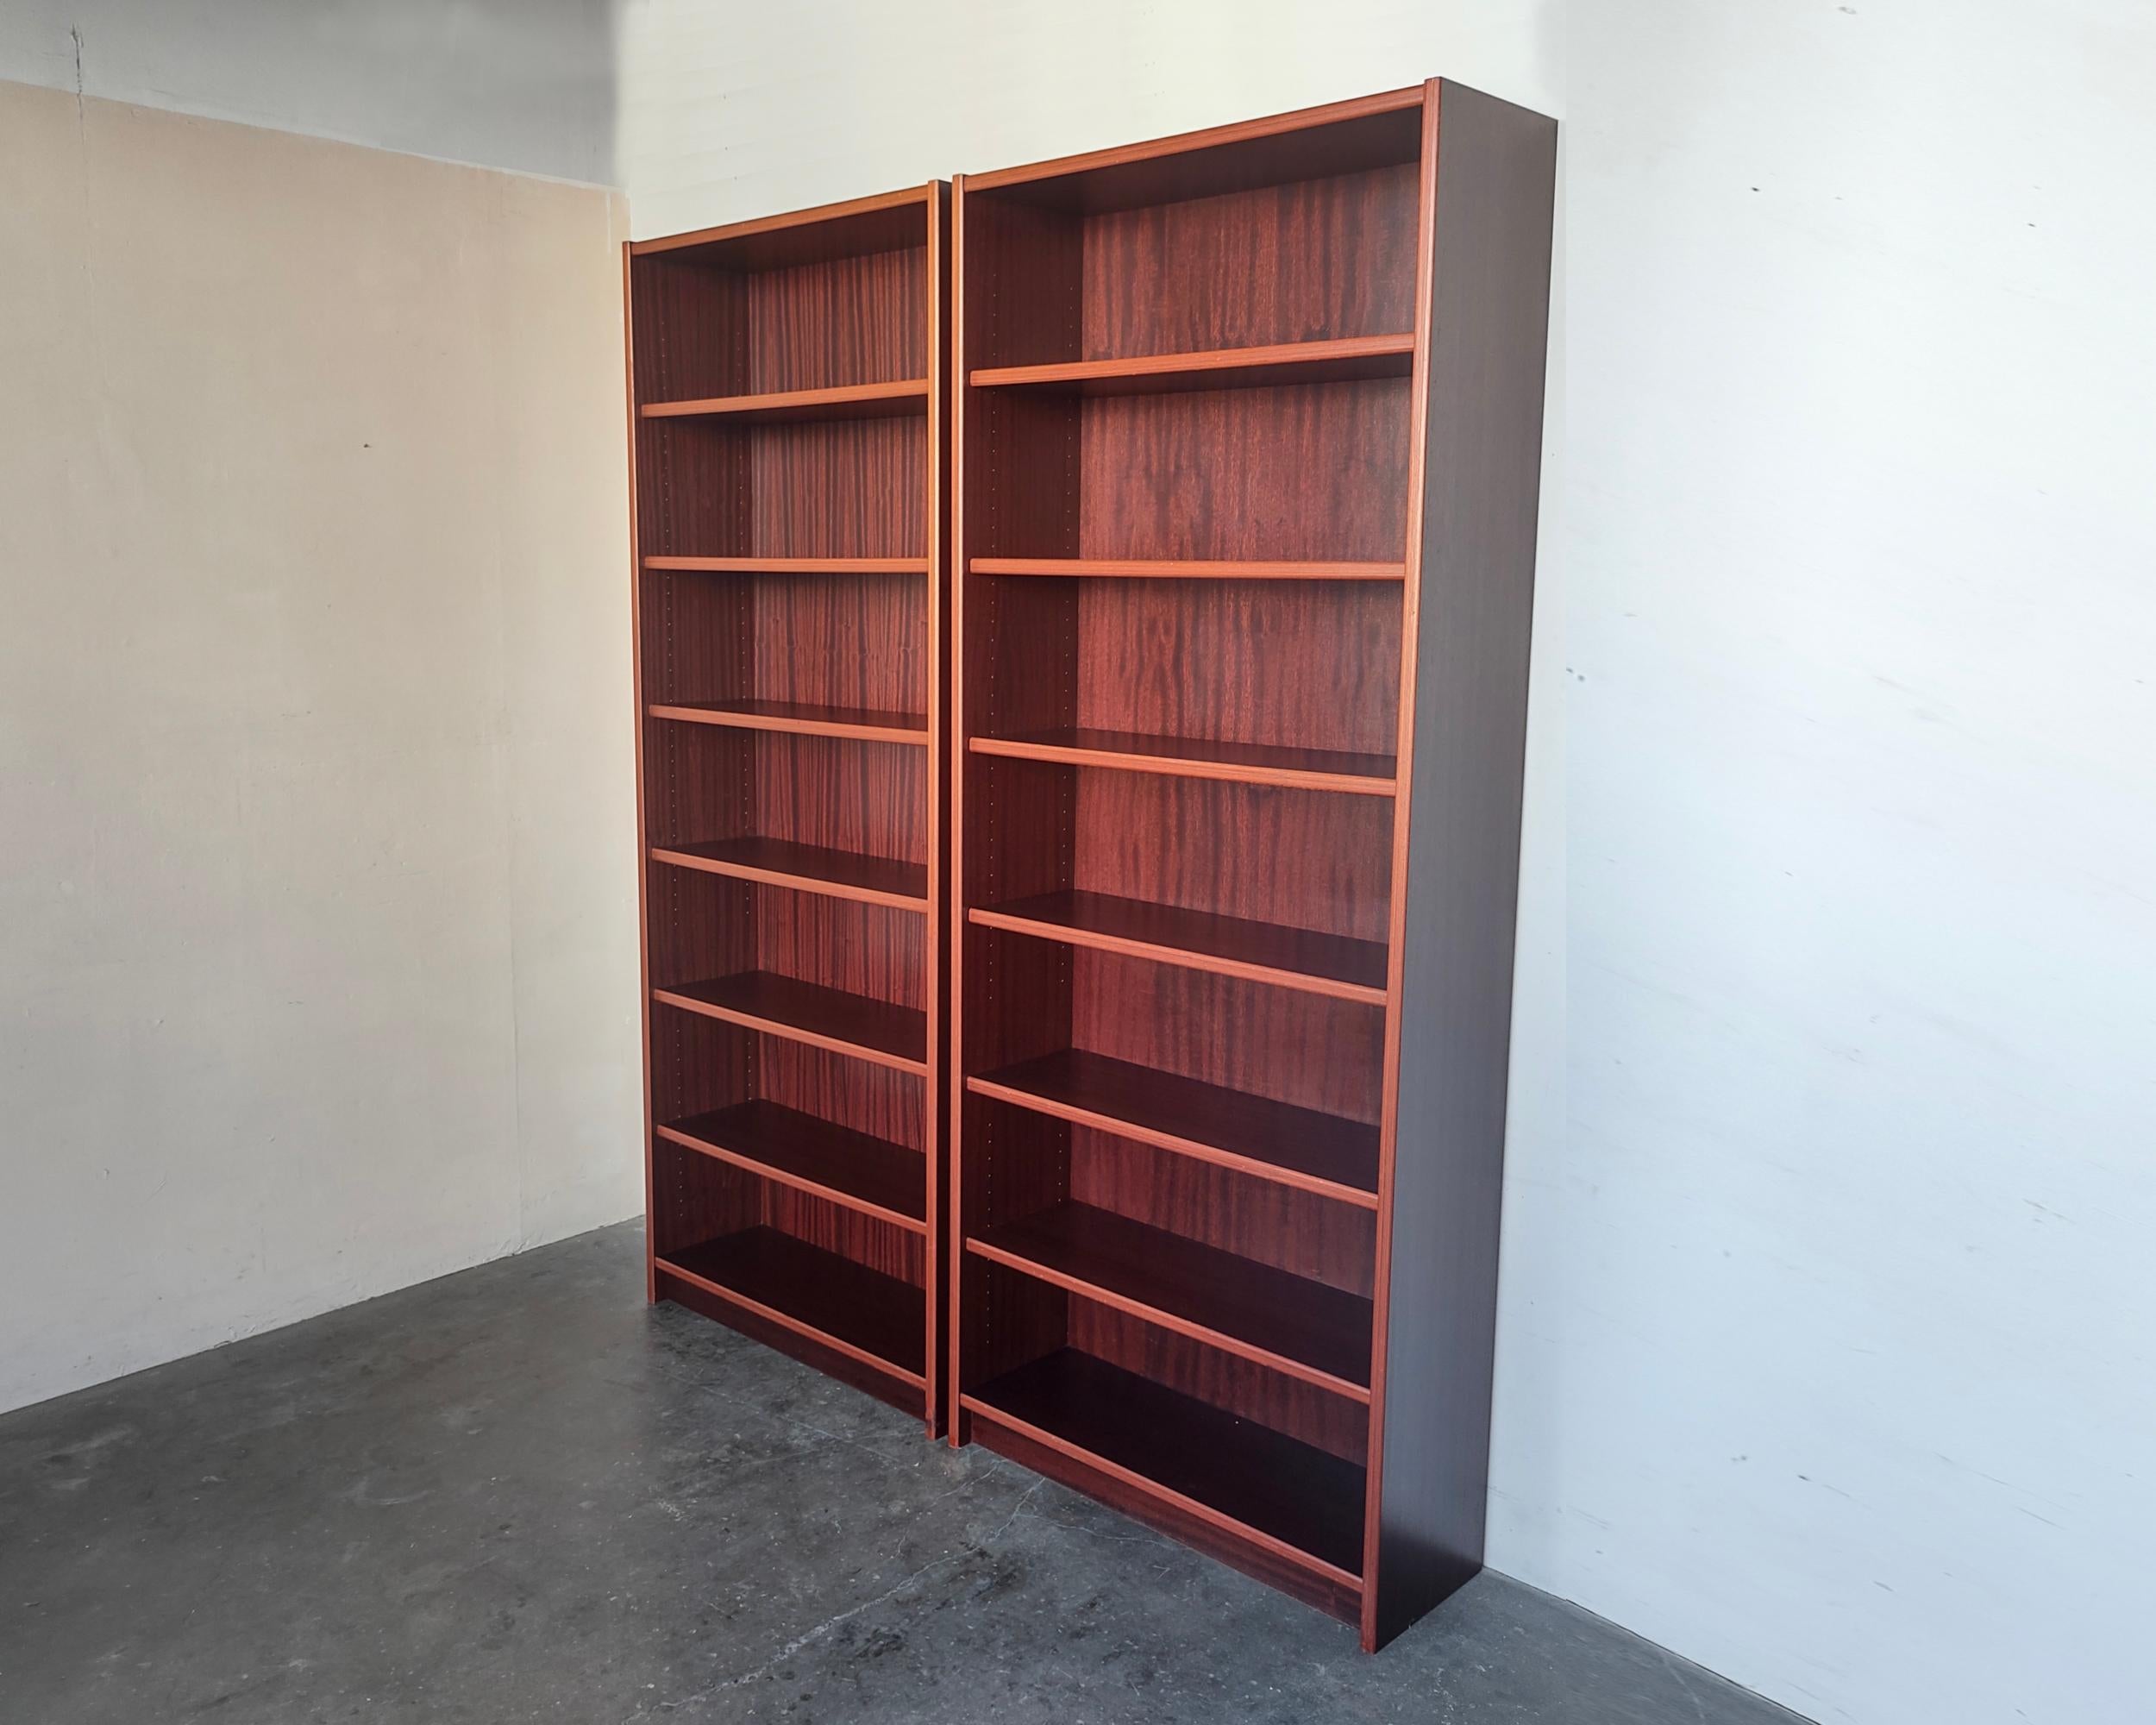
[(1248, 436), (788, 416)]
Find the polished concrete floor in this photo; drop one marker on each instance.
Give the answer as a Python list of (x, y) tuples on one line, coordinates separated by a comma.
[(520, 1494)]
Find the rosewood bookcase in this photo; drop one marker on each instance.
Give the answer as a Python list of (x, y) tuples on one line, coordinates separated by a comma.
[(787, 384), (1247, 444)]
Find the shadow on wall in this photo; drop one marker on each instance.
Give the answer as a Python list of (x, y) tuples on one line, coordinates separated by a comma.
[(523, 84)]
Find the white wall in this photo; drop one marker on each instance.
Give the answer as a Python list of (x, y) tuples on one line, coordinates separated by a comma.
[(1824, 1355), (527, 85), (317, 889)]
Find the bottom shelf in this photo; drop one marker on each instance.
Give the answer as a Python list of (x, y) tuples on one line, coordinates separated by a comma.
[(861, 1312), (1297, 1501)]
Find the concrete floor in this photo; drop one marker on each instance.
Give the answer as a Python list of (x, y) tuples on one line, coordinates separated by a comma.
[(519, 1493)]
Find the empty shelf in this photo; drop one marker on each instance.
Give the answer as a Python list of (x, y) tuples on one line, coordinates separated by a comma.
[(848, 401), (1233, 946), (859, 1311), (793, 566), (1291, 1323), (807, 1012), (1297, 1146), (1301, 1500), (867, 1174), (1155, 568), (1249, 764), (1343, 360), (864, 724), (807, 869)]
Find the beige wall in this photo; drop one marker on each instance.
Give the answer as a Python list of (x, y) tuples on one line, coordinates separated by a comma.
[(317, 962)]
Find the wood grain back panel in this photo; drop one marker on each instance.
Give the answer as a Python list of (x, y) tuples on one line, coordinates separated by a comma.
[(1305, 260), (1315, 470)]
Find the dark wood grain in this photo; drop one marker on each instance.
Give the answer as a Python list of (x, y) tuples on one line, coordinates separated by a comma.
[(789, 401), (1297, 1325), (862, 724), (1323, 1153), (896, 400), (883, 222), (830, 1295), (1200, 757), (1308, 1413), (1324, 260), (1332, 360), (1341, 137), (1316, 1236), (1245, 1473), (806, 867), (1305, 858), (1311, 1051), (863, 1372), (1315, 471), (1300, 665), (1123, 568), (1261, 951), (844, 1166), (857, 319), (1244, 421), (828, 1018), (1455, 915)]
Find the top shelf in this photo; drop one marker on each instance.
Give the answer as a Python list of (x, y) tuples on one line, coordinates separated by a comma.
[(1346, 359), (906, 398)]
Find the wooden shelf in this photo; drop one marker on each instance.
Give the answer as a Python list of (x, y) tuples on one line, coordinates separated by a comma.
[(1303, 1329), (906, 397), (1345, 359), (1229, 946), (806, 869), (860, 723), (863, 1313), (1287, 1496), (870, 1175), (791, 572), (1300, 1147), (793, 565), (809, 1013), (1189, 758), (1300, 515), (1141, 569)]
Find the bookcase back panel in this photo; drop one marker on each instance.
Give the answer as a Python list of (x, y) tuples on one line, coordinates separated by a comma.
[(1309, 471), (847, 320), (1301, 859), (1018, 1000), (705, 926), (875, 1099), (1297, 1048), (865, 797), (692, 329), (835, 488), (705, 782), (1305, 260), (698, 1065), (1227, 1380), (1304, 664), (693, 488), (1288, 1229), (882, 1245), (697, 1199), (863, 949), (849, 641)]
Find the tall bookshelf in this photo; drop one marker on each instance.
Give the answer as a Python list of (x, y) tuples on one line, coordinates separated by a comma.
[(787, 408), (1247, 445)]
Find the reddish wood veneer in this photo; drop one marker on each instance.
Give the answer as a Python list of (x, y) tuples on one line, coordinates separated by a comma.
[(789, 401)]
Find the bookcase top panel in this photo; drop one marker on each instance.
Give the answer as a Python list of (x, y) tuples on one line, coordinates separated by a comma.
[(1312, 143), (890, 222)]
